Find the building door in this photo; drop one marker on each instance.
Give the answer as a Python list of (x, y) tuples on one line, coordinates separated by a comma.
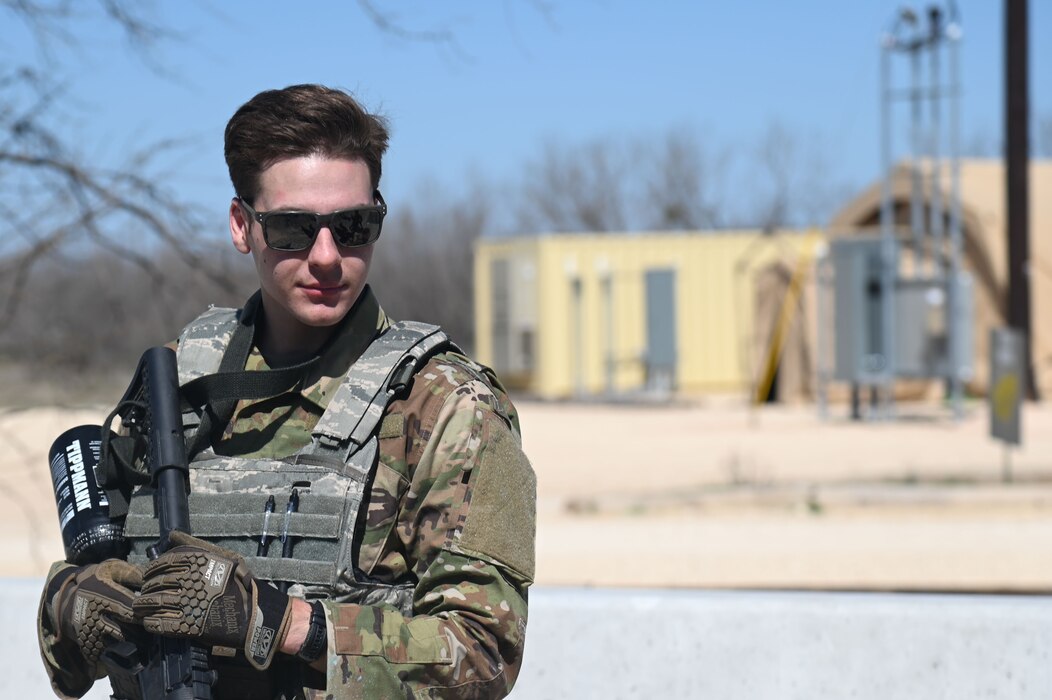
[(500, 323), (661, 329)]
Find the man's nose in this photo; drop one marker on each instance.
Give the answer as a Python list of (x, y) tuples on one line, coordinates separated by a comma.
[(324, 252)]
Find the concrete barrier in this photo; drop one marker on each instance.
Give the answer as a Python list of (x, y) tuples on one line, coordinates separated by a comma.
[(721, 645), (591, 643)]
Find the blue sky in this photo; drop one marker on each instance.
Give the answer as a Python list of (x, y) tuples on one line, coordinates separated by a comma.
[(518, 77)]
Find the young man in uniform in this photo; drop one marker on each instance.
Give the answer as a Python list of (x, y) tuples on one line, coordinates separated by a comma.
[(404, 524)]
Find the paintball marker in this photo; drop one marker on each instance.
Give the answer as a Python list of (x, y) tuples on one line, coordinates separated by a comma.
[(160, 667)]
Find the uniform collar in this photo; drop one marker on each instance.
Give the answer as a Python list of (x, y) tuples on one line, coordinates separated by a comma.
[(356, 331)]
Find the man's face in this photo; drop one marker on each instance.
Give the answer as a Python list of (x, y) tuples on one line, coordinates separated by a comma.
[(305, 292)]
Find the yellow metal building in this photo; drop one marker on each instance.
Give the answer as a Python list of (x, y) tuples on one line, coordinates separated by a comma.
[(577, 315), (572, 315)]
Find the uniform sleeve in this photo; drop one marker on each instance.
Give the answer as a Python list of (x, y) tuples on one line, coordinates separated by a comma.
[(62, 660), (467, 523)]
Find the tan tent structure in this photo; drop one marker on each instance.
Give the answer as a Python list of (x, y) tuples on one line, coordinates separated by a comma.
[(982, 185)]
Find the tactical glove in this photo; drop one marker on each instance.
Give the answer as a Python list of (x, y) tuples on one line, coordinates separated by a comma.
[(93, 606), (205, 593)]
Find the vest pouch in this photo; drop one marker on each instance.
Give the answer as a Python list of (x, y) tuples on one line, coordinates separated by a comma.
[(228, 497)]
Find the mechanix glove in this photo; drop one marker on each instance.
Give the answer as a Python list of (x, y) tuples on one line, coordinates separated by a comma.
[(205, 593), (93, 606)]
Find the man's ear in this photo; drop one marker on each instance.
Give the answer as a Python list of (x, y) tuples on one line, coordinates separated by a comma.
[(240, 227)]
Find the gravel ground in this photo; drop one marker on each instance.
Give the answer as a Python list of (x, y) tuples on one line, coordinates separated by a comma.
[(716, 495)]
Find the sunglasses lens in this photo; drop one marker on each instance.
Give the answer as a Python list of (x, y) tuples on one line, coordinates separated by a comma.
[(293, 231), (290, 230), (356, 227)]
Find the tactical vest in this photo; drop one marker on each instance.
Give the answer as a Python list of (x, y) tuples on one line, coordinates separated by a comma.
[(331, 475)]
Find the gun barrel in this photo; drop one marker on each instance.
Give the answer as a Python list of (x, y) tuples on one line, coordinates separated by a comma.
[(168, 464)]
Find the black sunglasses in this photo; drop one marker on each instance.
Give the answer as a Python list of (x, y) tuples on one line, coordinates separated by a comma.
[(296, 230)]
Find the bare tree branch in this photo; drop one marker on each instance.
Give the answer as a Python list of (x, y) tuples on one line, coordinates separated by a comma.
[(582, 188), (542, 8), (21, 269), (793, 182), (423, 265), (81, 180), (110, 237), (139, 30), (683, 187), (390, 25), (43, 19), (81, 200)]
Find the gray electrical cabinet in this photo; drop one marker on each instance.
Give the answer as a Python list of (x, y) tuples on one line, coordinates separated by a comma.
[(859, 355), (922, 327), (921, 318)]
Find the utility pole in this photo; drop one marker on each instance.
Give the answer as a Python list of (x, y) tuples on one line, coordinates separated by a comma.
[(1017, 183)]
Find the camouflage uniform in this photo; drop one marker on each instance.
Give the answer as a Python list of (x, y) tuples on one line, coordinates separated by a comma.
[(448, 519)]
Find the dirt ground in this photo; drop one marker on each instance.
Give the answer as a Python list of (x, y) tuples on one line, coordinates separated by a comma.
[(716, 495)]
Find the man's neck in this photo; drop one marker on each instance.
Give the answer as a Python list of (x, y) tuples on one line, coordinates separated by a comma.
[(289, 343), (284, 341)]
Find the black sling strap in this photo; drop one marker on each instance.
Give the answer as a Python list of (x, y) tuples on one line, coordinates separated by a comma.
[(217, 394)]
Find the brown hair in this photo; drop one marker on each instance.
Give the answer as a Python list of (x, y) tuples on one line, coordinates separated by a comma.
[(297, 121)]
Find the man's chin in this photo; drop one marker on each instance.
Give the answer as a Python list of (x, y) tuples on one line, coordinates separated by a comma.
[(323, 317)]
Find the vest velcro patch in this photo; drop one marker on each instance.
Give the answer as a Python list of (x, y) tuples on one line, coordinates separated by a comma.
[(393, 425)]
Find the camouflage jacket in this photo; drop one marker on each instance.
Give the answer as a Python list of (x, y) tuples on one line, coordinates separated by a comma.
[(450, 511)]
